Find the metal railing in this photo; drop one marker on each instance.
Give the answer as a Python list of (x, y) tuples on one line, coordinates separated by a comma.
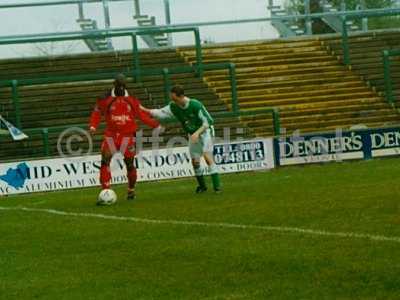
[(47, 149), (361, 14), (53, 3), (306, 16), (387, 54), (132, 32), (165, 73), (199, 67), (345, 15), (196, 32)]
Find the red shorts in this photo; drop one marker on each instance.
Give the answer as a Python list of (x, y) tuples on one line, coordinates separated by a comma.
[(119, 143)]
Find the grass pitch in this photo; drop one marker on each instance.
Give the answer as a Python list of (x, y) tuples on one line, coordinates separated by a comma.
[(50, 256)]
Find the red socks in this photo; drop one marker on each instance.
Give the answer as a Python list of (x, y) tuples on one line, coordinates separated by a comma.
[(132, 177), (105, 176)]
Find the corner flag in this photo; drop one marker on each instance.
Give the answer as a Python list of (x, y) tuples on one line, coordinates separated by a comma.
[(15, 133)]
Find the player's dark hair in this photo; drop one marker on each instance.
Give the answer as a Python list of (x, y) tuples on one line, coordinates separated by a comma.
[(178, 90), (120, 85)]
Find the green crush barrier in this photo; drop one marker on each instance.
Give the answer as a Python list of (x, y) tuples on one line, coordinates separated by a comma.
[(387, 74), (51, 3), (273, 111), (45, 137), (196, 32), (133, 32), (15, 99), (137, 71), (167, 85), (361, 14), (345, 42), (58, 129), (165, 72)]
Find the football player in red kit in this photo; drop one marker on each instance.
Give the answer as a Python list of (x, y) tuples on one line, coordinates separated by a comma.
[(120, 111)]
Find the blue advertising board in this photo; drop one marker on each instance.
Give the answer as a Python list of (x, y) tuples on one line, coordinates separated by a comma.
[(337, 146)]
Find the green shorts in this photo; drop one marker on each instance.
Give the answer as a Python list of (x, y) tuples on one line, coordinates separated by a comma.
[(204, 145)]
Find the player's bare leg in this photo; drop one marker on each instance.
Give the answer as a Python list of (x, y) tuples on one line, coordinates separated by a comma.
[(105, 171), (132, 177), (202, 187), (212, 168)]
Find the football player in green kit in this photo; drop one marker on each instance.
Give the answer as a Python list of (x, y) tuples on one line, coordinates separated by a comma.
[(198, 124)]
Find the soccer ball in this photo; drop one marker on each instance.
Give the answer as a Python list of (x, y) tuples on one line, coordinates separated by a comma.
[(107, 197)]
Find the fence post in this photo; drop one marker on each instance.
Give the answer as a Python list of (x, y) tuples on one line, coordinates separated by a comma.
[(277, 122), (307, 10), (232, 75), (167, 9), (107, 20), (388, 78), (136, 59), (199, 54), (15, 98), (345, 42), (137, 8), (364, 21), (167, 85), (81, 11), (45, 137)]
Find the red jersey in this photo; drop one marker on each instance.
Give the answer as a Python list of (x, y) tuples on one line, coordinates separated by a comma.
[(120, 115)]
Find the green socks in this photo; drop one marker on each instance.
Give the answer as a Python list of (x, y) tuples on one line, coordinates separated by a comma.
[(214, 177), (201, 181), (216, 181)]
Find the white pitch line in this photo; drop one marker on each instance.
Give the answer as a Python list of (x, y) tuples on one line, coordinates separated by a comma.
[(284, 229)]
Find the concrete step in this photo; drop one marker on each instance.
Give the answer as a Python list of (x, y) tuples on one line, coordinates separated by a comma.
[(285, 84), (231, 54), (275, 61), (318, 66), (246, 46), (145, 23), (268, 90), (297, 79), (271, 101), (339, 120), (141, 17), (260, 101), (327, 106), (297, 94)]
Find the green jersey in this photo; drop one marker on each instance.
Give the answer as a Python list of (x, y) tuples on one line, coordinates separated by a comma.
[(192, 116)]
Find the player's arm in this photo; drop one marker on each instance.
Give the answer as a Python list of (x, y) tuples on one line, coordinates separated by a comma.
[(203, 115), (163, 114), (145, 116), (95, 117)]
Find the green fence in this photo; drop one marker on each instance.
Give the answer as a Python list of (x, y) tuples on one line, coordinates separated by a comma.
[(51, 3), (362, 14), (199, 67), (109, 33), (47, 150), (196, 32), (137, 72), (387, 54), (135, 31), (166, 73)]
